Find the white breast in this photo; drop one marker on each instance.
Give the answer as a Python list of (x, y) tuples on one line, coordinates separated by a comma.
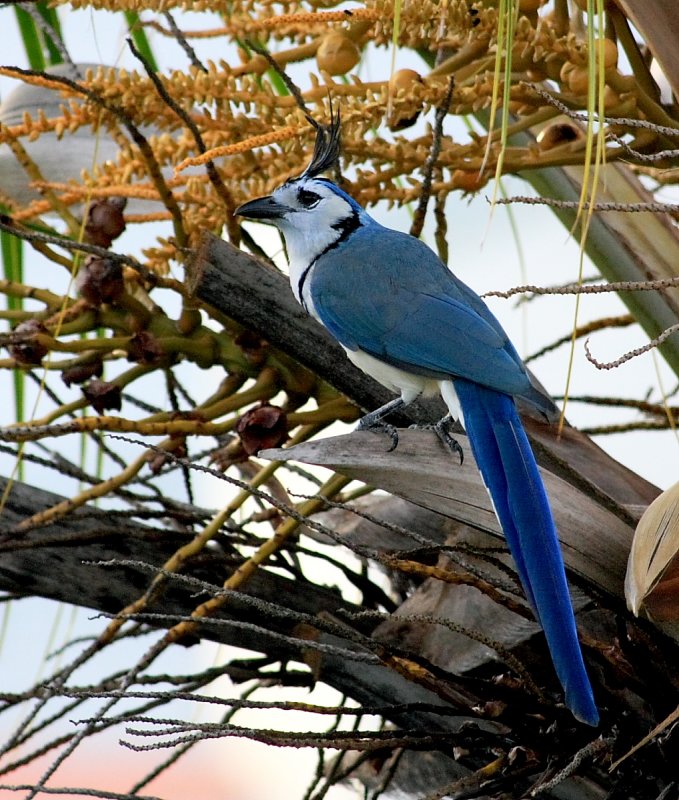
[(407, 384)]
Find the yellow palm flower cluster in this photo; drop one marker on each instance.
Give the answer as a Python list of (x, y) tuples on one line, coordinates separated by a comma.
[(256, 133)]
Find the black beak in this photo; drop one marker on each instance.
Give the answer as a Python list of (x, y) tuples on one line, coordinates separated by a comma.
[(264, 208)]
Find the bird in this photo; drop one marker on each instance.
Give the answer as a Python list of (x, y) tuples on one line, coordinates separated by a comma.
[(403, 317)]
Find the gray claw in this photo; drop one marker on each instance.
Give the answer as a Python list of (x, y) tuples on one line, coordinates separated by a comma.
[(441, 429), (380, 427)]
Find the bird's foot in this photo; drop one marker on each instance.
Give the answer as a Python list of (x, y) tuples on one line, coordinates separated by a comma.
[(371, 424), (441, 429)]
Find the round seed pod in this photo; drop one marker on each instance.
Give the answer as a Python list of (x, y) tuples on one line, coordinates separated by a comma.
[(144, 348), (337, 54), (403, 79), (402, 82), (610, 55), (262, 427), (100, 280), (29, 352), (468, 181), (536, 74), (103, 395), (105, 221), (79, 373), (578, 80), (558, 133)]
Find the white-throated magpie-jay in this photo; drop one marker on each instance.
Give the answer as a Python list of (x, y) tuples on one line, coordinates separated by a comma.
[(405, 319)]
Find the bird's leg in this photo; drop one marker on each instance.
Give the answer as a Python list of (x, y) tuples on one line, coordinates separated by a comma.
[(441, 429), (373, 420)]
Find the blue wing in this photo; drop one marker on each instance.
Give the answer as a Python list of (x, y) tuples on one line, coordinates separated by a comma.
[(387, 294), (417, 315)]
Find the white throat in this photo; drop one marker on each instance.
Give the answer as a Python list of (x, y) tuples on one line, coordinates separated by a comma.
[(314, 217), (305, 240)]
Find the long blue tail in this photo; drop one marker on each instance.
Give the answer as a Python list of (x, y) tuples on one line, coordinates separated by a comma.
[(508, 467)]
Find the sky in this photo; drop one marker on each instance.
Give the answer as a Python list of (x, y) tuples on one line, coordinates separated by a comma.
[(485, 253)]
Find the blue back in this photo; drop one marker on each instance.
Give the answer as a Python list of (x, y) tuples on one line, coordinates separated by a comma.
[(388, 294)]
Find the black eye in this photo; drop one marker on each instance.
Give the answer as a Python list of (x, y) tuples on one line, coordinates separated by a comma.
[(307, 198)]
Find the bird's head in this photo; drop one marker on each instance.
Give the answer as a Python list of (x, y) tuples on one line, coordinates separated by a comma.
[(311, 212)]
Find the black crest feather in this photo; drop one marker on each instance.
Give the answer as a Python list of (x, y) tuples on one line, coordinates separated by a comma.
[(327, 146)]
